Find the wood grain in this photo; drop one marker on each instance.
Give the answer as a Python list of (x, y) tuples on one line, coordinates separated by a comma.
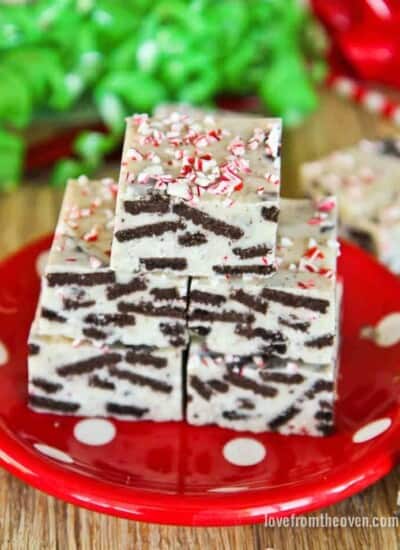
[(31, 520)]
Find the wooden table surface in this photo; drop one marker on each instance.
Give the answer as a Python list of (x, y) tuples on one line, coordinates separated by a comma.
[(30, 519)]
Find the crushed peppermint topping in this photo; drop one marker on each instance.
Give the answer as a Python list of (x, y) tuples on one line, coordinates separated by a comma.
[(187, 163), (314, 253), (92, 235), (272, 178), (306, 284), (258, 361), (95, 263), (286, 242), (237, 147), (134, 154), (326, 204)]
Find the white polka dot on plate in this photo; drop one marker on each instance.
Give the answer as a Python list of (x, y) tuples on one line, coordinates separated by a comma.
[(94, 431), (387, 331), (41, 262), (52, 452), (244, 451), (372, 430), (3, 354)]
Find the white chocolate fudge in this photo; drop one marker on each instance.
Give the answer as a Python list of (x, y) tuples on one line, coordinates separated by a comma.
[(198, 196), (292, 313), (83, 298), (259, 394), (127, 383), (366, 180), (165, 110)]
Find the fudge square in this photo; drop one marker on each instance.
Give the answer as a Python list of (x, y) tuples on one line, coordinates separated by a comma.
[(83, 298), (258, 394), (198, 195), (291, 314), (87, 380), (365, 179)]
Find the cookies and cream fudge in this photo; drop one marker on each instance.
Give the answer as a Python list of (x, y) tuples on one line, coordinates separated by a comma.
[(366, 180), (198, 196), (83, 298), (167, 109), (258, 394), (292, 313), (87, 380)]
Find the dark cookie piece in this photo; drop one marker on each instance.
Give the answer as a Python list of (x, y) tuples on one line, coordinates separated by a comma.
[(150, 230), (192, 239), (321, 342), (270, 213), (70, 304), (282, 377), (294, 300), (140, 380), (94, 333), (208, 298), (242, 269), (51, 315), (250, 384), (218, 385), (318, 387), (97, 382), (283, 418), (33, 349), (135, 358), (276, 341), (224, 316), (156, 204), (174, 332), (218, 227), (252, 302), (165, 293), (80, 279), (126, 410), (252, 251), (105, 319), (176, 264), (121, 289), (89, 365), (46, 385), (200, 387), (52, 404), (234, 415), (147, 308), (295, 325)]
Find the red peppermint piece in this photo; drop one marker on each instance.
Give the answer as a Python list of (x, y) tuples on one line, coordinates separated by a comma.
[(315, 253), (326, 205), (92, 235), (306, 284)]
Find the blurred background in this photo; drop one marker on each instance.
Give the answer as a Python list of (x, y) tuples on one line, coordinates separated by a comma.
[(72, 70)]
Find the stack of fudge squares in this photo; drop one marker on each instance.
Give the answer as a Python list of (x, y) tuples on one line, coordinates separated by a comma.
[(190, 289)]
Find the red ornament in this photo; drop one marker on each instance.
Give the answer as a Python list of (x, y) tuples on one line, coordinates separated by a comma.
[(365, 37)]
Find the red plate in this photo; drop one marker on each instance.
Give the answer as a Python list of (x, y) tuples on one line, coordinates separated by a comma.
[(174, 473)]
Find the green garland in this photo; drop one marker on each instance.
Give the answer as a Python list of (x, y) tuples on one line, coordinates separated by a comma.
[(123, 56)]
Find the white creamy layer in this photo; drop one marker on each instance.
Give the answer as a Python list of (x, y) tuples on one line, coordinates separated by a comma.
[(152, 394), (250, 397)]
